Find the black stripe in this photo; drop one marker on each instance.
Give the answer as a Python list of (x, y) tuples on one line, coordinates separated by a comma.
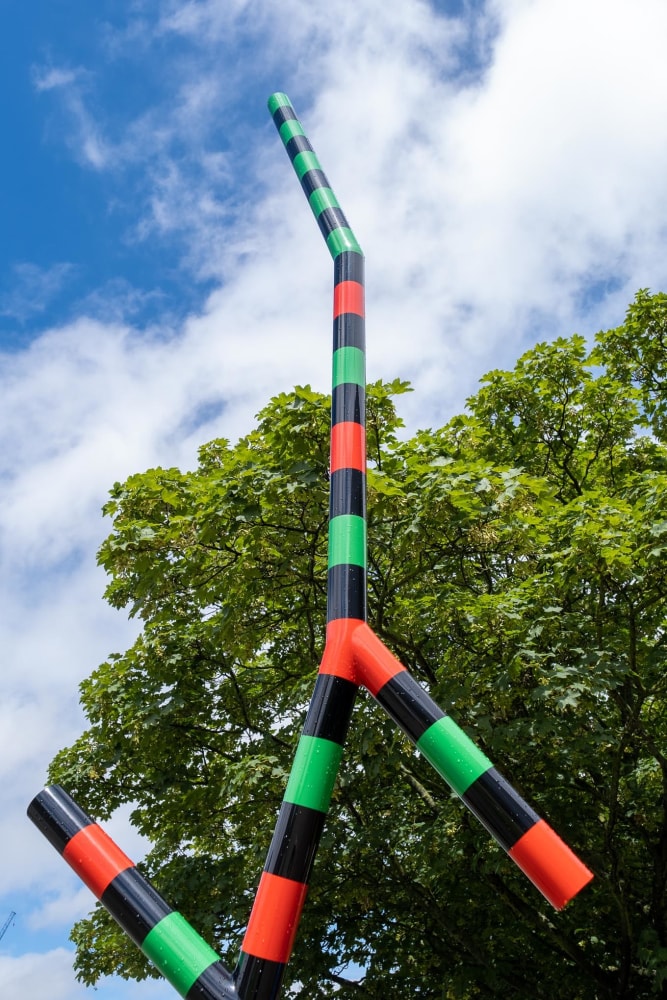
[(348, 404), (295, 840), (330, 219), (284, 114), (409, 705), (349, 330), (330, 708), (346, 592), (347, 494), (349, 266), (135, 904), (298, 144), (57, 816), (258, 978), (499, 808), (312, 180), (214, 983)]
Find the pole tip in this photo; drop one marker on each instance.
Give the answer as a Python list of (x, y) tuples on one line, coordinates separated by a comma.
[(550, 864), (278, 100)]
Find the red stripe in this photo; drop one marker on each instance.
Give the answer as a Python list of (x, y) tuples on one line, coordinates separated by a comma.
[(348, 446), (348, 298), (95, 858), (338, 658), (550, 864), (375, 664), (274, 918)]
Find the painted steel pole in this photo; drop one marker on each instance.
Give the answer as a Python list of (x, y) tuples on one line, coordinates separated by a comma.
[(353, 656), (165, 937), (282, 890)]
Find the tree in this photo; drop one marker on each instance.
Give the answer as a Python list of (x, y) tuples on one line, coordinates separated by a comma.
[(517, 567)]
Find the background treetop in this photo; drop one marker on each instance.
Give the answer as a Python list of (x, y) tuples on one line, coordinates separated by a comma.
[(516, 566)]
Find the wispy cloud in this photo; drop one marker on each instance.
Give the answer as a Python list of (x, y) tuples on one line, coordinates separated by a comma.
[(118, 301), (31, 288), (54, 77), (209, 20), (70, 87)]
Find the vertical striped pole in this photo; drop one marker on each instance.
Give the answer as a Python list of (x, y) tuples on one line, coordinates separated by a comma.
[(268, 941), (165, 937)]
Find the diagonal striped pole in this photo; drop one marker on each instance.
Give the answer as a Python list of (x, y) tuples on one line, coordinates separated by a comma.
[(529, 841), (165, 937)]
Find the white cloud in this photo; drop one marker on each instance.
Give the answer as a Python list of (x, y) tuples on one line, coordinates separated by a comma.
[(562, 146), (62, 909), (29, 975), (25, 976)]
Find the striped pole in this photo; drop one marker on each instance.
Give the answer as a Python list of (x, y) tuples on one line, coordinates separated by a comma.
[(165, 937), (282, 889), (530, 842), (275, 914), (346, 588), (353, 656)]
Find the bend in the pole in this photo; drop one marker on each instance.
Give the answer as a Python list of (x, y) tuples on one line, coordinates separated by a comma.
[(276, 911), (323, 202)]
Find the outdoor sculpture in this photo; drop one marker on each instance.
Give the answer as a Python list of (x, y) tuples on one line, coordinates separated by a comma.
[(353, 657)]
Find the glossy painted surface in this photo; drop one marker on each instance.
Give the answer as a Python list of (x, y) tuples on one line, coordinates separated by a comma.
[(353, 656), (275, 914), (181, 955)]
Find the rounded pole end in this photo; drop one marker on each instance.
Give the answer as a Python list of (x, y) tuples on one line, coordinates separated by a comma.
[(550, 864), (278, 100)]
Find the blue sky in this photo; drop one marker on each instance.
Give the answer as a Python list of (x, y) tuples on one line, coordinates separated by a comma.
[(502, 163)]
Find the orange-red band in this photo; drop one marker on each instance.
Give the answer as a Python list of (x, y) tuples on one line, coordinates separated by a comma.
[(348, 298), (95, 858), (550, 864), (375, 664), (274, 918), (338, 657), (348, 446)]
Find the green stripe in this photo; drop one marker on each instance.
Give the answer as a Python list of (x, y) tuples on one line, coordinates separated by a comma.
[(279, 101), (322, 198), (341, 240), (349, 365), (347, 540), (303, 162), (290, 128), (453, 754), (313, 773), (178, 952)]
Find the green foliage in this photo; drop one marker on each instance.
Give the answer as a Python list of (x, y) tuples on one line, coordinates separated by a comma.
[(517, 567)]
